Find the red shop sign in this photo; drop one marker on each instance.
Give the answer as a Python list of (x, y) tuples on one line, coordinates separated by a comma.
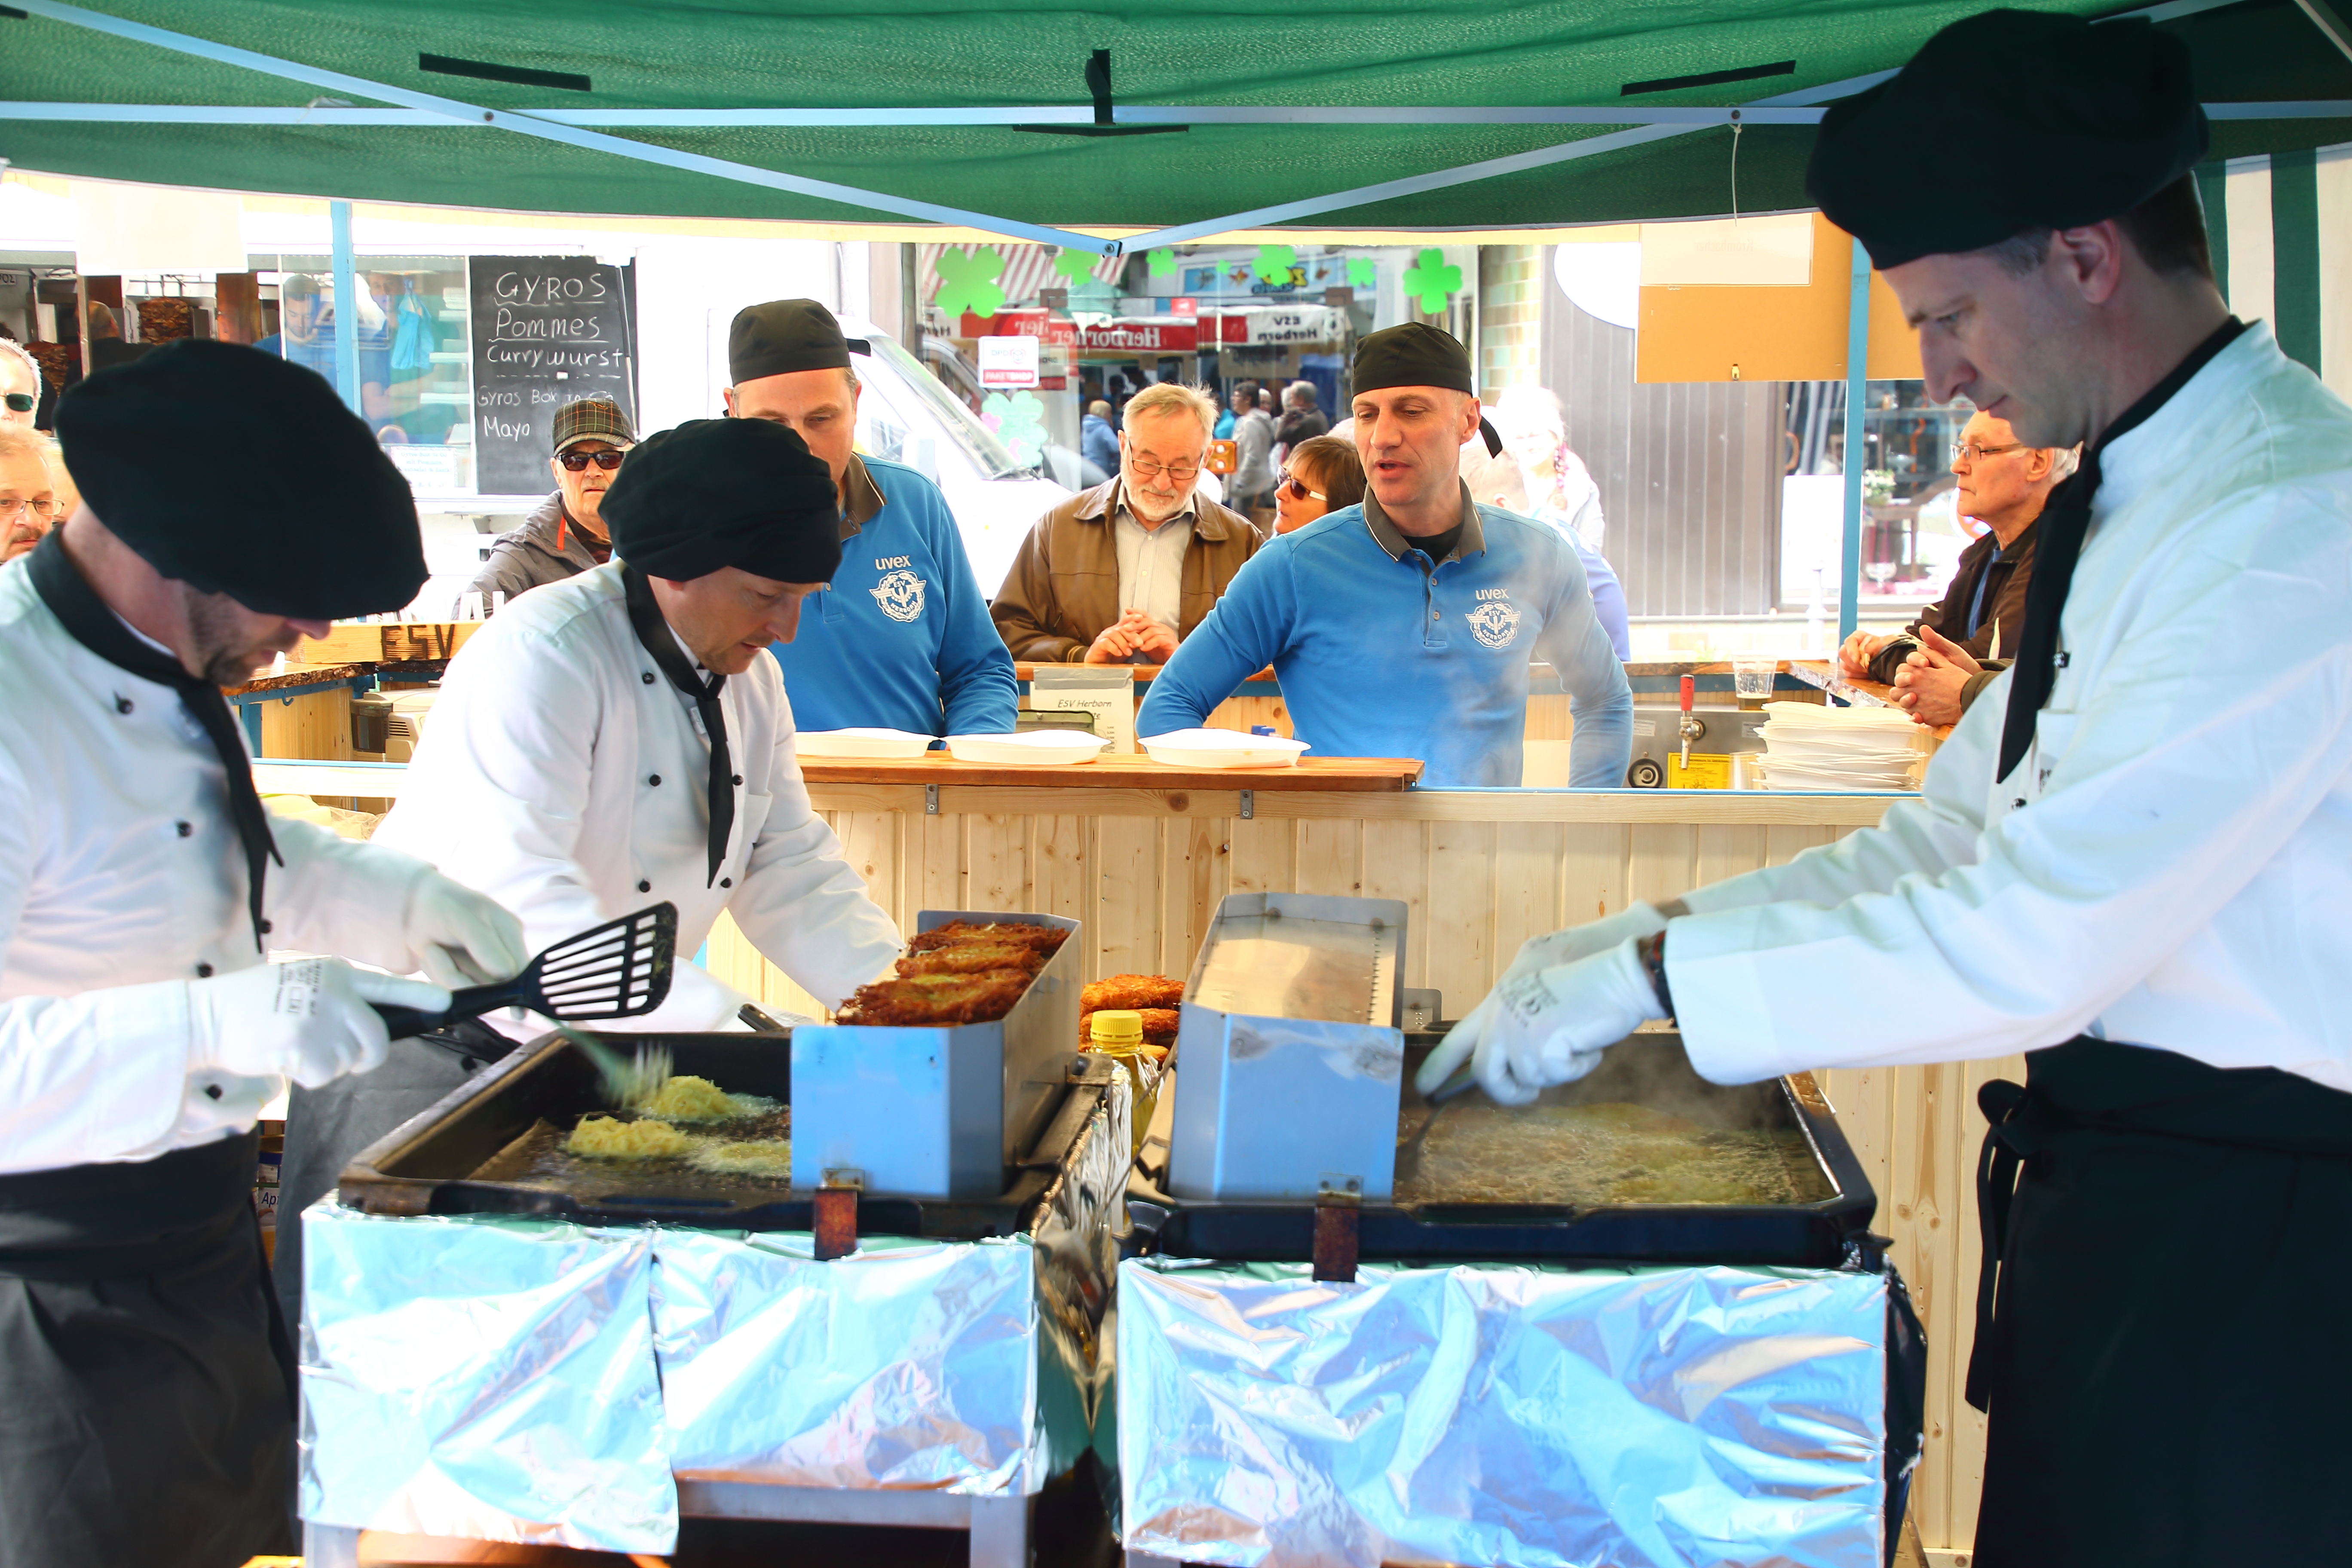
[(1140, 337)]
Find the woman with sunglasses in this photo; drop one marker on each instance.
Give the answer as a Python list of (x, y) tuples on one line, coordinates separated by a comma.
[(20, 385), (1323, 474)]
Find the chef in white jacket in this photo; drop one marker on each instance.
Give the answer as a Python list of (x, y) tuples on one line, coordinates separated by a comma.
[(146, 1391), (2132, 859), (611, 741)]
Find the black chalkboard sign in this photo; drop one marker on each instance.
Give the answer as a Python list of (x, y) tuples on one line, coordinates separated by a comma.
[(546, 329)]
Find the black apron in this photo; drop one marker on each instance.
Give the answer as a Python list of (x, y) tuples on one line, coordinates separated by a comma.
[(325, 1128), (146, 1387), (2165, 1364)]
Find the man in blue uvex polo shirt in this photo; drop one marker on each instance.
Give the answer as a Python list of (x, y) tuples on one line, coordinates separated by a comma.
[(1404, 626), (901, 639)]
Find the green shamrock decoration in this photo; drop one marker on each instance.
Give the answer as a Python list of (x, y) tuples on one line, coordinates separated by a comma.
[(1361, 274), (1074, 267), (968, 282), (1019, 422), (1274, 264), (1432, 280), (1162, 261)]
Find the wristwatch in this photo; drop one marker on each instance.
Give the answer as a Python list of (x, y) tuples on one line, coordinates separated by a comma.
[(1652, 950)]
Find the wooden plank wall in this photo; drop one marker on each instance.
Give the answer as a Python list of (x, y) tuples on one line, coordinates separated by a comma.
[(1144, 871)]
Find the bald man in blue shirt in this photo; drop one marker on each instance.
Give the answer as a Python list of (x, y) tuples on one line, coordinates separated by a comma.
[(1404, 626)]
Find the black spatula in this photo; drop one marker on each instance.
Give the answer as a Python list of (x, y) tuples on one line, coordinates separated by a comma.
[(619, 969)]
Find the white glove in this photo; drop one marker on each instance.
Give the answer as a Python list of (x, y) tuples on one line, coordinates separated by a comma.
[(1535, 954), (306, 1019), (1551, 1026), (461, 937)]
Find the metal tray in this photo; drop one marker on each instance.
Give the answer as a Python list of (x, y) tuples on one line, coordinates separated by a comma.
[(938, 1112), (1650, 1070), (427, 1164), (1291, 1041)]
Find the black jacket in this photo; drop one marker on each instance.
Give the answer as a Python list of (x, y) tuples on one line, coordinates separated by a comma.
[(2004, 603)]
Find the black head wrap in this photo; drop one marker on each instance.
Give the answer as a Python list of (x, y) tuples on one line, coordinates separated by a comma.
[(1418, 354), (2077, 123), (726, 492), (317, 525), (785, 335)]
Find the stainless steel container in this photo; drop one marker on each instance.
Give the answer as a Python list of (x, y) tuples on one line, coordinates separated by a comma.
[(1290, 1052), (937, 1112)]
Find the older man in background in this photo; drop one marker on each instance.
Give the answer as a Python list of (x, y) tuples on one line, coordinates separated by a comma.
[(20, 385), (1125, 571), (1940, 660), (1253, 436), (28, 498), (900, 639), (565, 535), (1098, 442)]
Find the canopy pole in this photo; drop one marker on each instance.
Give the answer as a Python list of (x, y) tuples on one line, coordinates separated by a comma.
[(1857, 383), (347, 308)]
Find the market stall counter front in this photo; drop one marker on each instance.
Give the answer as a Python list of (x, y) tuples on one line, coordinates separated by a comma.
[(505, 1341)]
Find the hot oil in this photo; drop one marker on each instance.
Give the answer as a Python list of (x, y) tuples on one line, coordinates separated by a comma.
[(539, 1160), (1595, 1155), (1642, 1128)]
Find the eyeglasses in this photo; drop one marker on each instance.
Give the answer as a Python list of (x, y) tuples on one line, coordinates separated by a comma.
[(22, 402), (1298, 488), (578, 461), (45, 507), (1973, 450), (1145, 468)]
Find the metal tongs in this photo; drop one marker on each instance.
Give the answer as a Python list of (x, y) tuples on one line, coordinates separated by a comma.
[(619, 970)]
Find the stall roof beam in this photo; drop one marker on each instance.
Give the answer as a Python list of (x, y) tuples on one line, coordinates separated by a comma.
[(447, 110), (852, 118)]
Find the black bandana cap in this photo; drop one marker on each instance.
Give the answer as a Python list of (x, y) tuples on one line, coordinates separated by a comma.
[(318, 526), (710, 493), (1418, 354), (785, 335), (2098, 119)]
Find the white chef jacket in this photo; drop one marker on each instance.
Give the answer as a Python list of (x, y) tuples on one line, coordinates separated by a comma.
[(122, 879), (535, 782), (2171, 864)]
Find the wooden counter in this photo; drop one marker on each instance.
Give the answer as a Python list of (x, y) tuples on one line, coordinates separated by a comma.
[(1326, 775)]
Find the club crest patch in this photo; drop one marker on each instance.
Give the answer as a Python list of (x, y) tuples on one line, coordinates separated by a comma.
[(900, 595), (1496, 622)]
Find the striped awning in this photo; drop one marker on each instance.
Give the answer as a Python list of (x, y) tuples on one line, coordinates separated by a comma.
[(1028, 270)]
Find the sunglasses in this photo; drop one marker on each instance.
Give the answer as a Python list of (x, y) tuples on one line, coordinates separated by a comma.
[(22, 402), (1297, 488), (578, 461)]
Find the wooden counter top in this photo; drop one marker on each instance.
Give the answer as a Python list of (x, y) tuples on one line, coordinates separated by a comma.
[(1321, 775), (297, 675)]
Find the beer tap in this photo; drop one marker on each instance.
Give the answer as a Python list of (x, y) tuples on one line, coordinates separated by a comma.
[(1692, 727)]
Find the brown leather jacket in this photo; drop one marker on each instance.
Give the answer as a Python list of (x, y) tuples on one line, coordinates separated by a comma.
[(1063, 589)]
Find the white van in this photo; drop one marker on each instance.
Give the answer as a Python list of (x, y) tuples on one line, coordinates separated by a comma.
[(906, 415)]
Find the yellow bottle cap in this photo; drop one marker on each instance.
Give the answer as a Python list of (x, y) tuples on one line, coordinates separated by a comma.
[(1114, 1026)]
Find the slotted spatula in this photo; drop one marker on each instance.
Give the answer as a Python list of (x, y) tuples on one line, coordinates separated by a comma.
[(619, 969)]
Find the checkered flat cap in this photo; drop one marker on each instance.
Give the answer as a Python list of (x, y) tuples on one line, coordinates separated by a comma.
[(593, 420)]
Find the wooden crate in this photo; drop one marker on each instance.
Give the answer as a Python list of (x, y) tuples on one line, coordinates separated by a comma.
[(401, 643)]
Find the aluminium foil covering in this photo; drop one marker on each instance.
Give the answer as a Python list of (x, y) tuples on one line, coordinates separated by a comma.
[(1489, 1414), (499, 1378), (965, 1367), (482, 1377)]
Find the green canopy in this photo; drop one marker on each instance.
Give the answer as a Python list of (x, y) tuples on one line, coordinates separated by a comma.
[(83, 101)]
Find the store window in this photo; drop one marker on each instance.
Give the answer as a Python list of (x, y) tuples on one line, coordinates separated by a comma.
[(1912, 532), (410, 323)]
